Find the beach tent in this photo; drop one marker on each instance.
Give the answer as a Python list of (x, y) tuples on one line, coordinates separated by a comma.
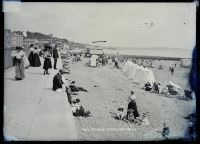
[(173, 85), (93, 59), (138, 74), (185, 63), (143, 75), (126, 65), (131, 70)]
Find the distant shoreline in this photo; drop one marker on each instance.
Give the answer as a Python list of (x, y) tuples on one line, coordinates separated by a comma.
[(147, 57), (144, 48)]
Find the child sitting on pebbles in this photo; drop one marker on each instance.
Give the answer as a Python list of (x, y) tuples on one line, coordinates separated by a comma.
[(120, 114), (78, 110), (144, 120)]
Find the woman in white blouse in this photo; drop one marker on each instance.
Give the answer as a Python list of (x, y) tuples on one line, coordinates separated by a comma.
[(18, 56)]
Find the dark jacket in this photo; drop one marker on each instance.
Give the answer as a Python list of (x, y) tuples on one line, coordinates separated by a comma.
[(57, 82), (55, 53)]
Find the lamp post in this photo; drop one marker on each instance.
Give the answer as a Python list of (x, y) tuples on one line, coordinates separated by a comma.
[(51, 38)]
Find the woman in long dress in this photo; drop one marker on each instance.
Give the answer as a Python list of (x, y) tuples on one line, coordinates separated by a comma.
[(30, 57), (36, 57), (47, 60), (19, 63)]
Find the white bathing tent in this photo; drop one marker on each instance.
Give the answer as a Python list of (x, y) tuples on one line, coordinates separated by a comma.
[(93, 60), (138, 73), (185, 63)]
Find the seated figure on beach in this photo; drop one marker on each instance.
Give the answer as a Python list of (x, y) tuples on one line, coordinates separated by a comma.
[(132, 107), (60, 84), (75, 88), (148, 86), (78, 110), (144, 120), (172, 90), (120, 113)]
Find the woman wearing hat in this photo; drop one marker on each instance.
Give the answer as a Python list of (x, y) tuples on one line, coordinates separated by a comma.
[(36, 57), (19, 63), (47, 60), (30, 57), (132, 106)]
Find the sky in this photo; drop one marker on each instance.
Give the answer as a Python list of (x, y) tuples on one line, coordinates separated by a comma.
[(170, 25)]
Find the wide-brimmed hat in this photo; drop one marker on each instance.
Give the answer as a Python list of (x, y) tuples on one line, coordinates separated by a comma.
[(132, 91), (18, 48), (77, 100), (120, 109), (72, 82), (144, 114)]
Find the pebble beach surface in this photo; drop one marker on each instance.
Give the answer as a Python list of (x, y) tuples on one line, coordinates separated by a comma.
[(109, 89)]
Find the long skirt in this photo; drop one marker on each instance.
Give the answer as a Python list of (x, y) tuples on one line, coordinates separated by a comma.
[(47, 63), (30, 58), (133, 106), (36, 60), (19, 69)]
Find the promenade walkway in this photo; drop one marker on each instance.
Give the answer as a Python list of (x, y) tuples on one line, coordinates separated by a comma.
[(32, 111)]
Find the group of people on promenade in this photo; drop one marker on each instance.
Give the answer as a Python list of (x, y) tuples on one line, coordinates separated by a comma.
[(21, 61)]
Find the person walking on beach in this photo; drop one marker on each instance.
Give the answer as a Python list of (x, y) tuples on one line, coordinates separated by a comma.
[(132, 106), (172, 70), (47, 60), (55, 56), (30, 57), (19, 63)]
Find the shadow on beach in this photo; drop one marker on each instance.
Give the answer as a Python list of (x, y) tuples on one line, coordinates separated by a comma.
[(48, 89), (87, 64), (12, 79), (179, 97), (40, 73)]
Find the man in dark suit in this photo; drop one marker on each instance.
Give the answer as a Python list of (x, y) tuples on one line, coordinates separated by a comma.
[(58, 84), (57, 80), (55, 56)]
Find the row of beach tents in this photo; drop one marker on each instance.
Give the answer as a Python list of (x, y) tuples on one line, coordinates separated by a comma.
[(141, 75), (138, 74)]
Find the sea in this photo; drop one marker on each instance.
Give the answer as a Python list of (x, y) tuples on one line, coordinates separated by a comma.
[(160, 52)]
